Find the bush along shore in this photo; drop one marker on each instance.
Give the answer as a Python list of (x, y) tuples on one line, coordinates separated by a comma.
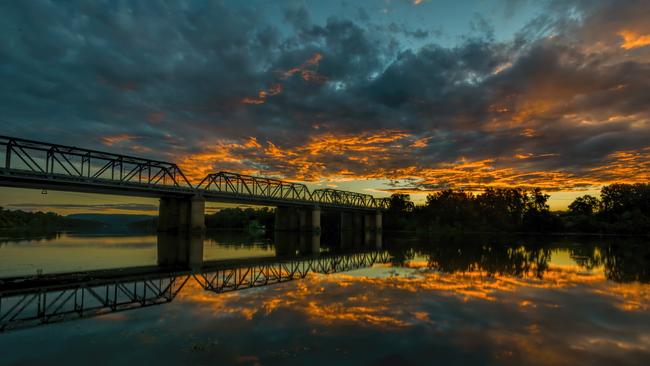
[(621, 209), (43, 221)]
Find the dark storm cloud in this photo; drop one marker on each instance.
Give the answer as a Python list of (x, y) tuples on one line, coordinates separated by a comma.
[(219, 86)]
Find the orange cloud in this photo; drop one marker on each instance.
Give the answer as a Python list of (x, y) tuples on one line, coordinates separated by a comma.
[(633, 40), (315, 59), (323, 155), (116, 139), (623, 167), (305, 70), (381, 155), (275, 89)]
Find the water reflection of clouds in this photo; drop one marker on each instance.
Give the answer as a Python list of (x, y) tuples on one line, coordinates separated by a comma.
[(513, 319), (403, 315)]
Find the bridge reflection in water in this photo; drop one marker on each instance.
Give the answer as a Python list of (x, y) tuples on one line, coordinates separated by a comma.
[(30, 301)]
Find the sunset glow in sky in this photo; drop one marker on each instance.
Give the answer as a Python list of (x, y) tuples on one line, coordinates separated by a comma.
[(372, 96)]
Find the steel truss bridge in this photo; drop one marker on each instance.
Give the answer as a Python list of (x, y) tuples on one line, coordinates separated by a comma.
[(26, 302), (41, 165)]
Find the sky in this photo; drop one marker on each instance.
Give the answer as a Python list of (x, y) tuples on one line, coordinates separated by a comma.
[(372, 96)]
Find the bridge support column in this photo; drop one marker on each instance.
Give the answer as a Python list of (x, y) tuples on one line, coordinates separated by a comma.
[(372, 227), (346, 229), (309, 219), (297, 219), (368, 223), (368, 228), (287, 219), (304, 219), (314, 229), (378, 222), (181, 214), (315, 220)]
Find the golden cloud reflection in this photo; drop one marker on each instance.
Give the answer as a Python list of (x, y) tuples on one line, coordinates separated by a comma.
[(395, 301)]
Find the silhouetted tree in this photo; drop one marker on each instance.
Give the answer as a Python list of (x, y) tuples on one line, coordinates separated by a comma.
[(585, 205), (622, 208), (399, 213), (451, 208)]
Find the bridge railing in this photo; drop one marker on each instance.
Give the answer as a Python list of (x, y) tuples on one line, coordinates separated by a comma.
[(247, 185), (267, 188), (58, 161), (40, 160), (346, 198)]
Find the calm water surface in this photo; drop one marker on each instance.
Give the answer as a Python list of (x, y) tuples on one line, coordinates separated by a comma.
[(451, 301)]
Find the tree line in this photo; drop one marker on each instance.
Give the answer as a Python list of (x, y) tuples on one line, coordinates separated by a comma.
[(43, 221), (620, 209)]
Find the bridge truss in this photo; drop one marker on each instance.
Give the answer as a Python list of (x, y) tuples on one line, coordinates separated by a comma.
[(239, 184), (57, 162), (33, 164)]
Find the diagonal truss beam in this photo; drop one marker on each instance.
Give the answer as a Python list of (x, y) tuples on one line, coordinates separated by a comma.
[(46, 162)]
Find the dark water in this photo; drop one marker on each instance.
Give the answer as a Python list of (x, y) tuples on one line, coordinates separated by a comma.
[(421, 301)]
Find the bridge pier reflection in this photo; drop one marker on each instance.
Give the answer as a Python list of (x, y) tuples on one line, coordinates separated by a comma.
[(180, 249), (289, 244)]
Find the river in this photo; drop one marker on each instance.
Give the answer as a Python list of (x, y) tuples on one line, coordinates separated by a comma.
[(470, 300)]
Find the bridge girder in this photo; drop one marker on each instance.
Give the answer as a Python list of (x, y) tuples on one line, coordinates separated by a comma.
[(34, 164)]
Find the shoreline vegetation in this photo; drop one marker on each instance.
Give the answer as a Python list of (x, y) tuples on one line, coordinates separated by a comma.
[(621, 210), (17, 220)]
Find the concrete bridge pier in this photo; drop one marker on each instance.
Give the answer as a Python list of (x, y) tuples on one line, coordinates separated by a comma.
[(372, 230), (298, 219), (373, 222), (350, 229), (286, 219), (310, 224), (176, 215)]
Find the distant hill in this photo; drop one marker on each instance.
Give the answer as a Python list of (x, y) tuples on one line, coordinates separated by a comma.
[(44, 221), (113, 220)]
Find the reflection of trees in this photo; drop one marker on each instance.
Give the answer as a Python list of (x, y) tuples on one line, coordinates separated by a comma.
[(402, 249), (622, 261), (16, 236), (490, 257), (627, 263)]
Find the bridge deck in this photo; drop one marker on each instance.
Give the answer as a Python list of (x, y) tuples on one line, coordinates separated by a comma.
[(40, 165)]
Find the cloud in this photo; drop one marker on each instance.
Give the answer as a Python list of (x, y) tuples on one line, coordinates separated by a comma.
[(634, 40), (216, 87)]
